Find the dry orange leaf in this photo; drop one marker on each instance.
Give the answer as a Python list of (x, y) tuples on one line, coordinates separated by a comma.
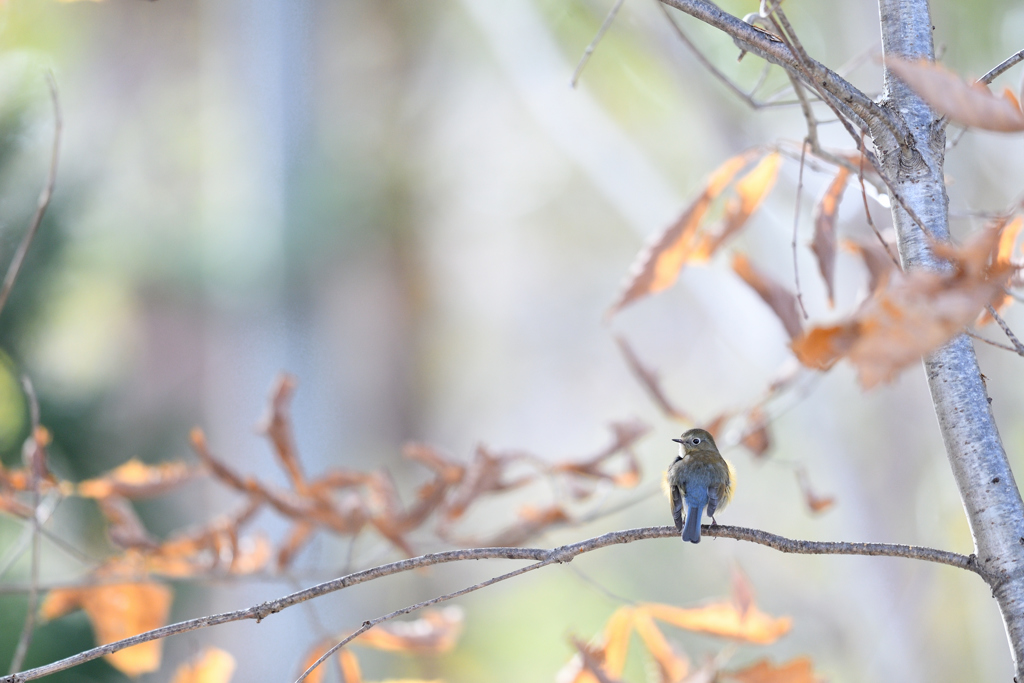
[(742, 591), (347, 663), (213, 665), (451, 472), (1008, 239), (484, 474), (586, 666), (1008, 95), (798, 670), (436, 632), (671, 666), (912, 315), (970, 104), (532, 521), (124, 528), (751, 190), (135, 479), (349, 667), (877, 260), (824, 243), (815, 503), (756, 437), (118, 611), (651, 381), (616, 640), (657, 266), (277, 427), (779, 299), (724, 620)]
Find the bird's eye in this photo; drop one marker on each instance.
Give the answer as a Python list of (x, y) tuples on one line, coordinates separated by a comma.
[(695, 440)]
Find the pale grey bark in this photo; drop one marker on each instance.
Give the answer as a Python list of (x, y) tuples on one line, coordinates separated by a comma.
[(909, 145), (989, 493)]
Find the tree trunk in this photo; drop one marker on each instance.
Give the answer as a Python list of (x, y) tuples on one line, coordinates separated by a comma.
[(990, 496)]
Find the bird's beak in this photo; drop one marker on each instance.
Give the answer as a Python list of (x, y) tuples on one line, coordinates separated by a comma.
[(678, 440)]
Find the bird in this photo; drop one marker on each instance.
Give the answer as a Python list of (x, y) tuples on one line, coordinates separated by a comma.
[(698, 478)]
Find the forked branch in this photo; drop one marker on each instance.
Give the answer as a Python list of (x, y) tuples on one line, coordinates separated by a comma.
[(541, 556), (815, 75)]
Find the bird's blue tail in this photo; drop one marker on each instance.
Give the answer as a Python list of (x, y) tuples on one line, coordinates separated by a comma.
[(691, 532)]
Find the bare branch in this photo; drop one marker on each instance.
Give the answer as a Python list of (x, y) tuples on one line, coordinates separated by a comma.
[(593, 43), (44, 198), (867, 213), (998, 70), (786, 545), (367, 625), (33, 451), (541, 556), (840, 92), (650, 381), (1017, 346), (1005, 347), (811, 130), (718, 73)]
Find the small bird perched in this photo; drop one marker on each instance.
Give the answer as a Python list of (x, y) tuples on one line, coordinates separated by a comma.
[(699, 477)]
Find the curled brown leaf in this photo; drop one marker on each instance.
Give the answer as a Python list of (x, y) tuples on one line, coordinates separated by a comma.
[(969, 104)]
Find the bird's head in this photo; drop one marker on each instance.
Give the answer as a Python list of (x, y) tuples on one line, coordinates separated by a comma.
[(694, 440)]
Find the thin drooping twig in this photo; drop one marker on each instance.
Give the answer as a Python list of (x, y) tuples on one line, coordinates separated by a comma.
[(541, 556), (1005, 347), (838, 90), (804, 64), (650, 381), (44, 198), (867, 213), (16, 549), (1017, 346), (718, 73), (796, 212), (367, 625), (34, 470), (848, 102), (593, 43)]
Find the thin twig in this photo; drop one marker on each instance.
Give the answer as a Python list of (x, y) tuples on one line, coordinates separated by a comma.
[(839, 91), (33, 451), (1005, 347), (867, 213), (987, 79), (1017, 346), (718, 73), (650, 381), (1003, 66), (593, 44), (541, 556), (44, 198), (804, 63), (796, 212), (13, 552), (367, 625)]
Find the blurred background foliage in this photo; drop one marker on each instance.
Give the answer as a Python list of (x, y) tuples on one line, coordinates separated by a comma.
[(406, 205)]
